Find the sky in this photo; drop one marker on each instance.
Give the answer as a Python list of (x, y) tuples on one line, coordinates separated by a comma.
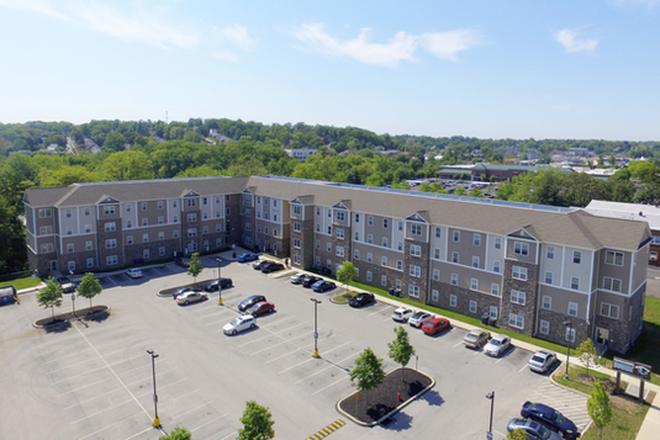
[(520, 69)]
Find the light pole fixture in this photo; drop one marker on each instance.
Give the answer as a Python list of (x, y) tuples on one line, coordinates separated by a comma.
[(154, 355), (73, 294), (316, 333), (569, 330), (219, 260), (491, 396)]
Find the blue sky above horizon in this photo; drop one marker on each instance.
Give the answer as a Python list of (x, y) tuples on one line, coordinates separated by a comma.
[(516, 69)]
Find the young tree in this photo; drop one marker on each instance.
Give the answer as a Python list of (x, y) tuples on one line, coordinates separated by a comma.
[(50, 296), (588, 354), (257, 423), (346, 273), (89, 287), (599, 408), (517, 434), (400, 349), (368, 371), (177, 434), (195, 267)]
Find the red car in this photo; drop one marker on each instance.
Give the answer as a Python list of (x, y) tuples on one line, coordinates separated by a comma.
[(435, 325), (261, 308)]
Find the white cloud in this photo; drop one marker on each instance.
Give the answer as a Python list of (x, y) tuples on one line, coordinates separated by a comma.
[(238, 35), (448, 44), (401, 47), (569, 39), (38, 6)]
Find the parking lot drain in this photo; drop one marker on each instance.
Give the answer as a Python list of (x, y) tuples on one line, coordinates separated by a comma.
[(387, 421), (323, 433)]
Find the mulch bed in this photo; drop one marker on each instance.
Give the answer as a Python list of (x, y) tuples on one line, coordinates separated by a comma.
[(98, 312), (374, 404)]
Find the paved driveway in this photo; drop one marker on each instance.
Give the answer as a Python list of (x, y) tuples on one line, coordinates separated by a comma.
[(94, 380)]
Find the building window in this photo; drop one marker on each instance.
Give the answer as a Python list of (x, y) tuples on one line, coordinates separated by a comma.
[(110, 226), (370, 220), (575, 283), (614, 258), (548, 277), (88, 228), (111, 260), (175, 233), (399, 264), (90, 263), (436, 253), (190, 203), (329, 212), (318, 261), (266, 230), (192, 232), (383, 280), (544, 327), (329, 230), (88, 212), (474, 284), (476, 239), (492, 312), (475, 261), (454, 257), (453, 300), (69, 230), (340, 251), (318, 227), (175, 218), (572, 309), (129, 239), (70, 248), (386, 223), (456, 236), (613, 284), (318, 244), (436, 274), (227, 211), (174, 204), (570, 334), (296, 226), (370, 257), (550, 253), (416, 229), (145, 222), (518, 297), (192, 217), (546, 303), (161, 219), (435, 295), (577, 257), (89, 245), (109, 210), (454, 279), (400, 226), (495, 289), (357, 236), (609, 310), (473, 306), (218, 241), (357, 218), (370, 238), (67, 213), (356, 254), (161, 251), (275, 233), (146, 253), (413, 291), (384, 242), (438, 233), (520, 248), (516, 321), (383, 261), (144, 206), (329, 246), (297, 210), (498, 243), (111, 243), (370, 275), (218, 227), (519, 273), (399, 246), (415, 250), (45, 213), (47, 247), (296, 243), (145, 238), (496, 266)]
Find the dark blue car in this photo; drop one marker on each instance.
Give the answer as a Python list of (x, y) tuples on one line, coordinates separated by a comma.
[(551, 418), (246, 257)]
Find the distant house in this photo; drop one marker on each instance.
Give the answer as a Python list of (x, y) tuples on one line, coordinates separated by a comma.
[(302, 154), (215, 133), (632, 211), (476, 171)]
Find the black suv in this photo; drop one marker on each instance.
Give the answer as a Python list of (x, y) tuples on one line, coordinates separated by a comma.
[(250, 301), (222, 282), (271, 267)]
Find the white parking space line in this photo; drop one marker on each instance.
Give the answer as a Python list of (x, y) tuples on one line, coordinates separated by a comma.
[(140, 433), (106, 427), (194, 409), (330, 386), (103, 367), (285, 341), (283, 355), (85, 361), (379, 311), (523, 368), (311, 359), (268, 336), (326, 368), (102, 411), (209, 422), (457, 344), (233, 434)]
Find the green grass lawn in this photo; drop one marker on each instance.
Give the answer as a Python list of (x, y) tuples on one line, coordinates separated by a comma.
[(22, 283)]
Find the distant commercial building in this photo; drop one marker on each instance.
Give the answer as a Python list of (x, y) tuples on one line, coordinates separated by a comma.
[(302, 154), (552, 273)]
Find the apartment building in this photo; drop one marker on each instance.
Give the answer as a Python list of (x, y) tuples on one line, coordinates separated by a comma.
[(552, 273)]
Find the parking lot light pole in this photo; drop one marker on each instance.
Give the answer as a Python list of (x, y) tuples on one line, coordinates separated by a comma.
[(219, 285), (154, 355), (569, 328), (316, 333), (491, 396)]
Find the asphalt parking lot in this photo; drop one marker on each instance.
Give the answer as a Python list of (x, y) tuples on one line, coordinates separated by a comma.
[(94, 379)]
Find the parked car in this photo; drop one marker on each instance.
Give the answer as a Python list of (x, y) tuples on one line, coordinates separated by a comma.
[(183, 262), (239, 324), (419, 319), (549, 417), (261, 308), (323, 286), (250, 301), (476, 338), (298, 278), (180, 291), (222, 282), (310, 280), (541, 361), (534, 430), (191, 297), (247, 257), (259, 264), (402, 314), (362, 299), (66, 284), (134, 272), (497, 345), (272, 267), (435, 325)]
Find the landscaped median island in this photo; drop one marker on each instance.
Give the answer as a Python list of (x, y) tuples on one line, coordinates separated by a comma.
[(370, 407), (627, 412), (95, 313)]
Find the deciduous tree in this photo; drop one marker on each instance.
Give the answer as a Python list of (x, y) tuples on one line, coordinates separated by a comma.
[(257, 423), (401, 351), (347, 273), (588, 354), (599, 408), (195, 267), (368, 371), (89, 287), (178, 433), (50, 296)]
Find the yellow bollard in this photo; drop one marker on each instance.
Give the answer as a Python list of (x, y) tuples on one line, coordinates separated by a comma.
[(220, 301), (156, 422)]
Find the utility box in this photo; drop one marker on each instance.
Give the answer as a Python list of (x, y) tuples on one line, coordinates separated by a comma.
[(7, 295)]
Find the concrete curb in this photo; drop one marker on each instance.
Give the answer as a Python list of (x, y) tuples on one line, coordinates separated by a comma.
[(107, 309)]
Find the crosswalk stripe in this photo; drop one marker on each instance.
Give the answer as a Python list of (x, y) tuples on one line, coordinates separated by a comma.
[(324, 432)]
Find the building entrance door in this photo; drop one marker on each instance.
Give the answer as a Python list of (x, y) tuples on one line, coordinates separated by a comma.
[(602, 335)]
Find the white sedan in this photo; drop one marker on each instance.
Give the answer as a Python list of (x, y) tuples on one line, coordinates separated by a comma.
[(419, 319), (241, 323), (134, 272), (497, 345)]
